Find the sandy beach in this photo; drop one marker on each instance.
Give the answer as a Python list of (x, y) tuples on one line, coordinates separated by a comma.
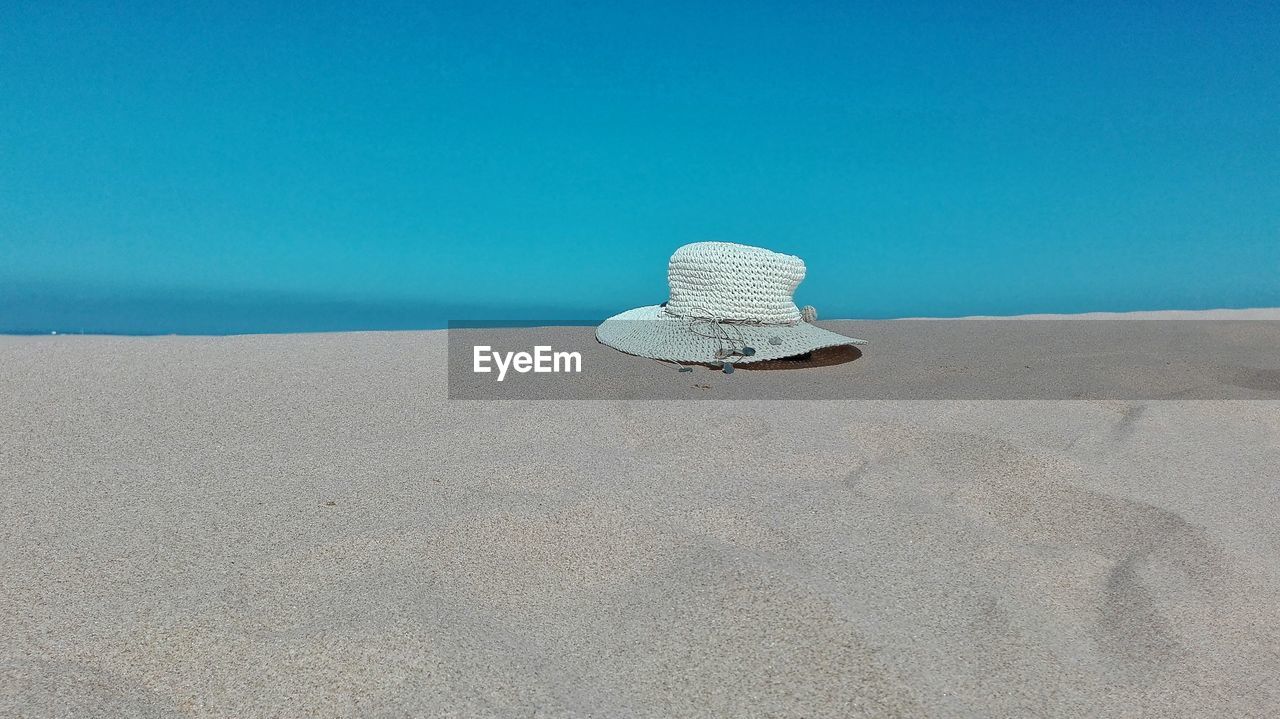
[(306, 525)]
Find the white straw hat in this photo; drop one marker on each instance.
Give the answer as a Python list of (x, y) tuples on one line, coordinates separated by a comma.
[(728, 303)]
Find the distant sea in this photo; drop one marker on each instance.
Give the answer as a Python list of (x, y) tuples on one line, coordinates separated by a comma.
[(30, 309), (33, 310)]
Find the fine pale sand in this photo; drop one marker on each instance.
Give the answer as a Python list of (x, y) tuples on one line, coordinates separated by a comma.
[(304, 525)]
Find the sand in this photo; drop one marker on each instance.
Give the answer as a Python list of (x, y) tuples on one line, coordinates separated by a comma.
[(305, 525)]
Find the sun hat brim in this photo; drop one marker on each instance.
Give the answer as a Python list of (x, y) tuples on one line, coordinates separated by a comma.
[(651, 332)]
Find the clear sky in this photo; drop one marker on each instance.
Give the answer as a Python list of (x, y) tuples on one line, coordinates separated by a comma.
[(424, 161)]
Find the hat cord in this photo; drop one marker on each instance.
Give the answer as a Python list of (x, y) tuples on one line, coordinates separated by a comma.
[(726, 331)]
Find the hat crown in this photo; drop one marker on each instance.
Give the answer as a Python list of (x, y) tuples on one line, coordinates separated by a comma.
[(724, 280)]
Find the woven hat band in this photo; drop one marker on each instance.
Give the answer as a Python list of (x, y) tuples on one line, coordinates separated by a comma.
[(703, 316)]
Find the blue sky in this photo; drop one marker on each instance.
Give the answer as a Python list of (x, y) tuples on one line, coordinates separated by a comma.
[(430, 161)]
